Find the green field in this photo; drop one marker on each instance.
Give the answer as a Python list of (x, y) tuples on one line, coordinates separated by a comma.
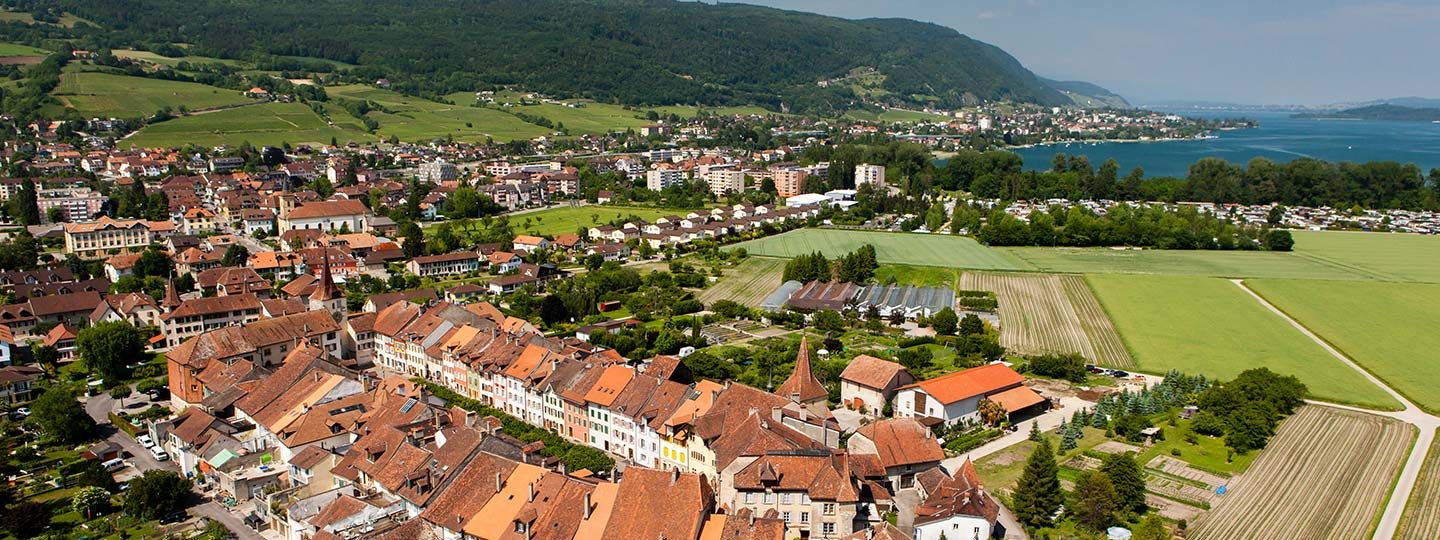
[(1383, 256), (107, 94), (268, 124), (895, 115), (67, 20), (569, 219), (687, 111), (1388, 328), (591, 118), (920, 276), (899, 248), (1211, 326), (15, 49), (168, 61), (417, 119), (1256, 264)]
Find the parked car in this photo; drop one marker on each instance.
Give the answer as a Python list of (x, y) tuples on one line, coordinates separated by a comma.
[(145, 441), (174, 517), (1119, 374), (159, 453), (113, 465), (20, 414)]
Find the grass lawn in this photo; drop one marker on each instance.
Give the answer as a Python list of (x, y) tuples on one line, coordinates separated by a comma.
[(1210, 326), (1389, 328), (268, 124), (15, 49), (1384, 256), (1208, 453), (901, 248), (567, 219), (109, 94), (417, 119), (1177, 262)]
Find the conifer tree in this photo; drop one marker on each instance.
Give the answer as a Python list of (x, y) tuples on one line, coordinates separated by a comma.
[(1037, 495), (1128, 479)]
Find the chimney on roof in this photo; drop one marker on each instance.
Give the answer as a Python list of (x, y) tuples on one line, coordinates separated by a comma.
[(531, 496), (499, 482), (674, 476), (588, 508)]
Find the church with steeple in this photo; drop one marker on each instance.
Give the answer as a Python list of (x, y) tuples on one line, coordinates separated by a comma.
[(327, 296), (802, 387)]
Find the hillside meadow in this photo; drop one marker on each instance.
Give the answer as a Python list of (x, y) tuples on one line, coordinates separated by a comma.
[(94, 93), (417, 119), (1211, 326), (268, 124)]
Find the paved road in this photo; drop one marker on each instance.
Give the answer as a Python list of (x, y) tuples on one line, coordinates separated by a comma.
[(1425, 422), (99, 407)]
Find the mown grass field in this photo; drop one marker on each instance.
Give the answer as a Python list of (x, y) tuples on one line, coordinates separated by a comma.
[(268, 124), (417, 119), (1047, 313), (1383, 256), (923, 276), (1241, 264), (1391, 329), (748, 283), (168, 61), (1210, 326), (107, 94), (1325, 474), (16, 49), (1421, 520), (899, 248)]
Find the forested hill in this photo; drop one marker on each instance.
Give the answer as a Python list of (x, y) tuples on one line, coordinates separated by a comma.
[(1380, 112), (630, 51)]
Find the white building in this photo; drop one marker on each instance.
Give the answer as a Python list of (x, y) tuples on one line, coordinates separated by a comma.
[(866, 173), (659, 179), (725, 181)]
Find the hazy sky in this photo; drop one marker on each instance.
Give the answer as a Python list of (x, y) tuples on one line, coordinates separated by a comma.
[(1244, 51)]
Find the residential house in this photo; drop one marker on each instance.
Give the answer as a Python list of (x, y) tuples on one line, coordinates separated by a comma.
[(869, 383), (956, 397)]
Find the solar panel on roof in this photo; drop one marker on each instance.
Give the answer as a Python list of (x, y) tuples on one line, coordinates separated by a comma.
[(409, 404)]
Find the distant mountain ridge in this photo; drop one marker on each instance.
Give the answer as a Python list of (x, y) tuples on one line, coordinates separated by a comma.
[(1087, 94), (641, 52)]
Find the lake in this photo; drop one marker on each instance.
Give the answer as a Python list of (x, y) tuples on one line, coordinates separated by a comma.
[(1279, 138)]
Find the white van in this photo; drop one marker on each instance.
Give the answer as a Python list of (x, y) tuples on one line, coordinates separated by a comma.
[(113, 465), (159, 453)]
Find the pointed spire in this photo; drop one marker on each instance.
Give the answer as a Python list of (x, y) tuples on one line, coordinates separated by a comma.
[(326, 290), (802, 386), (172, 298)]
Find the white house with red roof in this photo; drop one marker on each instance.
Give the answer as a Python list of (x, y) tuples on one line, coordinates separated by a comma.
[(956, 397)]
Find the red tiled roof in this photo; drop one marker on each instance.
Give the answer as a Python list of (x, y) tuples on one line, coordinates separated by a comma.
[(1017, 398), (970, 383)]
